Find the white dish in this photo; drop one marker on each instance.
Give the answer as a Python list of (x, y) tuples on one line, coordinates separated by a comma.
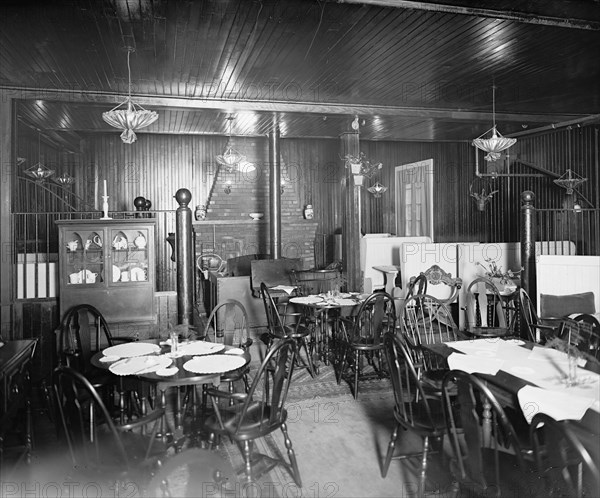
[(516, 342), (140, 365), (256, 216), (167, 372), (109, 358), (521, 370), (137, 274), (200, 348), (215, 364), (116, 273), (306, 299), (235, 351), (487, 354), (131, 349)]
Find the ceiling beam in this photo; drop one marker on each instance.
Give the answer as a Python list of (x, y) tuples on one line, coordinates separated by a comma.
[(568, 21), (91, 97)]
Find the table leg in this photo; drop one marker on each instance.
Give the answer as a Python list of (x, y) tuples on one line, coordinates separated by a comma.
[(486, 425), (164, 431)]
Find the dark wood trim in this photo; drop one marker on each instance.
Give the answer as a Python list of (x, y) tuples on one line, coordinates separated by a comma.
[(6, 163)]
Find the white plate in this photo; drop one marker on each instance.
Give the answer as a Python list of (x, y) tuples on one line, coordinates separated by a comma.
[(306, 299), (109, 358), (516, 342), (140, 365), (346, 302), (200, 348), (116, 273), (137, 274), (487, 354), (167, 372), (521, 370), (130, 349), (220, 363), (235, 351)]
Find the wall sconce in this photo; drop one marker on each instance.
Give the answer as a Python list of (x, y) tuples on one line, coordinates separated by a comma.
[(377, 189), (227, 188), (282, 187)]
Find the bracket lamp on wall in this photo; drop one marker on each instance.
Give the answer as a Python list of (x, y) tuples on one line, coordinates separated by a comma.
[(231, 158), (496, 143), (128, 116), (227, 188), (64, 180)]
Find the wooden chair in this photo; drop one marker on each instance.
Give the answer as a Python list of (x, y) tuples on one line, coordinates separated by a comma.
[(435, 276), (281, 326), (562, 459), (486, 312), (228, 324), (259, 413), (487, 457), (95, 442), (363, 336), (413, 409), (83, 332), (536, 330), (425, 319)]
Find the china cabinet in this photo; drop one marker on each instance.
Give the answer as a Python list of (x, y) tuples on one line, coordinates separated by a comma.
[(109, 264)]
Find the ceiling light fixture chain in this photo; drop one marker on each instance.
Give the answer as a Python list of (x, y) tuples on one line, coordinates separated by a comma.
[(496, 143), (231, 158)]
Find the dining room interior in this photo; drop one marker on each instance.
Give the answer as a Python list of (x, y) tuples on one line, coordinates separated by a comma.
[(394, 177)]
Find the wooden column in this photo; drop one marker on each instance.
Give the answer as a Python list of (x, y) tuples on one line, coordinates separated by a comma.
[(274, 193), (6, 175), (351, 216), (185, 257), (528, 235)]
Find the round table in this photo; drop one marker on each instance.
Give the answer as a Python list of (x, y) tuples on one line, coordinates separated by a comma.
[(181, 378)]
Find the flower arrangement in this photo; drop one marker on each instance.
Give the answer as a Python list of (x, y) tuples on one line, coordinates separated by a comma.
[(495, 271), (360, 165)]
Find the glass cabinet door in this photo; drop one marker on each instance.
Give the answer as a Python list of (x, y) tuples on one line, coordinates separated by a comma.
[(129, 254), (84, 261)]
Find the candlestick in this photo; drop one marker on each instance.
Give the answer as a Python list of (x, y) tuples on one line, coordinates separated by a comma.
[(105, 208), (105, 194)]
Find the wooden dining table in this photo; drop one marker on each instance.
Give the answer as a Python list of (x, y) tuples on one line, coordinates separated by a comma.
[(518, 371), (184, 375), (317, 309)]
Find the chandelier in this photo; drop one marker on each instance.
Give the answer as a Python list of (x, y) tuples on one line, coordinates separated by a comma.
[(496, 143), (128, 116), (231, 158), (64, 180), (377, 189), (38, 171), (570, 181)]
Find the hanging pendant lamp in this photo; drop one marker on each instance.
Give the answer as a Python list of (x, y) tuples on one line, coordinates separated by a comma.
[(377, 189), (496, 143), (128, 116), (38, 171), (231, 158)]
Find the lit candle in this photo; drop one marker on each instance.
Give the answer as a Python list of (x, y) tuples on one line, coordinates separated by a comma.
[(104, 188)]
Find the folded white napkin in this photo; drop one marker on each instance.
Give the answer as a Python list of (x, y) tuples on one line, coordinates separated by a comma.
[(560, 405), (474, 364)]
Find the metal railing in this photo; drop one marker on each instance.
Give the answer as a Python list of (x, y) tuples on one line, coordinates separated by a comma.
[(34, 250)]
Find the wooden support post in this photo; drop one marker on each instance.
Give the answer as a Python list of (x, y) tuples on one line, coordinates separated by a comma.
[(185, 257), (274, 194), (528, 235), (351, 216)]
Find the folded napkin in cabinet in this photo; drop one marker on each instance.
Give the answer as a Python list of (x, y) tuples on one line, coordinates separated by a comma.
[(474, 364), (560, 405)]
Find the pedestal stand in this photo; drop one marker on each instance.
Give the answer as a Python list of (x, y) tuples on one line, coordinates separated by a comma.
[(105, 208)]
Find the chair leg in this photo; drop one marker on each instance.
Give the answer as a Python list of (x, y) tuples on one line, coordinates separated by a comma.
[(390, 451), (342, 364), (247, 454), (423, 466), (309, 362), (356, 372), (291, 456)]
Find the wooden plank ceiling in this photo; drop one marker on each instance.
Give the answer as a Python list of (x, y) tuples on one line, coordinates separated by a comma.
[(408, 70)]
